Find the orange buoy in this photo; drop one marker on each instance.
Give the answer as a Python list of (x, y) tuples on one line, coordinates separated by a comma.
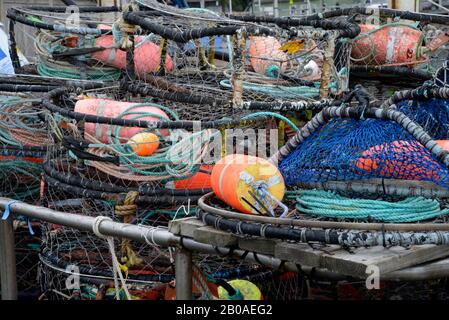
[(147, 55), (144, 144), (200, 180), (400, 168), (266, 56), (236, 177), (112, 109), (388, 45)]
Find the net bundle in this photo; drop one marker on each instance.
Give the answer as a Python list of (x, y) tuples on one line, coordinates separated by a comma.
[(23, 137), (91, 169), (349, 149)]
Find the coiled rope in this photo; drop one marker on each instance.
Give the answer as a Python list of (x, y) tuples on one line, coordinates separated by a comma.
[(332, 205), (47, 44), (20, 123), (277, 91)]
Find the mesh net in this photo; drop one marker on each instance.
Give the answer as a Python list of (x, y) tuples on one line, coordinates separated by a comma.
[(432, 115), (91, 169), (22, 139), (349, 149)]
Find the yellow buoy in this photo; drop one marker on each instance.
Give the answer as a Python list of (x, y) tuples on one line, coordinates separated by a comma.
[(144, 144), (247, 290)]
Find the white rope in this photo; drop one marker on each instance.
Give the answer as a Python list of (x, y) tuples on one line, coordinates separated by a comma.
[(183, 207), (115, 264)]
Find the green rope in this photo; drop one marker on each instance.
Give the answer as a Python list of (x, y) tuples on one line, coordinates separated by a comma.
[(277, 90), (169, 213), (177, 152), (28, 169), (24, 120), (61, 69), (329, 204), (271, 114), (45, 69)]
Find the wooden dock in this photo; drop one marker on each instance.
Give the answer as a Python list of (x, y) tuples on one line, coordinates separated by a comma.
[(334, 258)]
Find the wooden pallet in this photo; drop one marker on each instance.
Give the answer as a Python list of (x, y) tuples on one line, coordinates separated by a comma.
[(331, 257)]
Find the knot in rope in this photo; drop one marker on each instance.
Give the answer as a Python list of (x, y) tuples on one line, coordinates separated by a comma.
[(129, 206), (125, 29), (126, 210)]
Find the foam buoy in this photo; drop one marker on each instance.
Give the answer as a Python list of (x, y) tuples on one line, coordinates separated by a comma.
[(443, 144), (266, 56), (112, 109), (200, 180), (245, 290), (147, 55), (386, 45), (399, 167), (144, 143), (248, 184)]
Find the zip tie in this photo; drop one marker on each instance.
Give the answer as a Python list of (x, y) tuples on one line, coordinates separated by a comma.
[(30, 227), (239, 227), (8, 209), (217, 223), (326, 235), (263, 229), (203, 218), (303, 235)]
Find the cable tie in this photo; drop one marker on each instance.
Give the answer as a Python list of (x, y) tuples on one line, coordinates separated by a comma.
[(30, 227)]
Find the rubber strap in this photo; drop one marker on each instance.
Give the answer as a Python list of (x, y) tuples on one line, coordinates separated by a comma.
[(8, 209)]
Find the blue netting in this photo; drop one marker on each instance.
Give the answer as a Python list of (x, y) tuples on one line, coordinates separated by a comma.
[(348, 149), (432, 115)]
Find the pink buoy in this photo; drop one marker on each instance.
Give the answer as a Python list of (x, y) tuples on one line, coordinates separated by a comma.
[(388, 45), (147, 55), (112, 109), (266, 56)]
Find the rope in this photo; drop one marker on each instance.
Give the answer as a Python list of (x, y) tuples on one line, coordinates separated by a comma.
[(276, 90), (127, 210), (20, 122), (46, 44), (331, 205), (129, 207), (115, 264)]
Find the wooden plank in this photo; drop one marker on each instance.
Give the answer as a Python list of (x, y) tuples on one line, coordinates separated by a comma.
[(355, 263), (264, 246), (185, 226), (386, 259), (303, 253), (215, 237)]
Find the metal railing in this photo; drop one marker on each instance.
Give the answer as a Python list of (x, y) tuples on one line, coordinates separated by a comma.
[(162, 237)]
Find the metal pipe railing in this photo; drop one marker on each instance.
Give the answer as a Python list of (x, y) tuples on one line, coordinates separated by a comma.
[(162, 237)]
